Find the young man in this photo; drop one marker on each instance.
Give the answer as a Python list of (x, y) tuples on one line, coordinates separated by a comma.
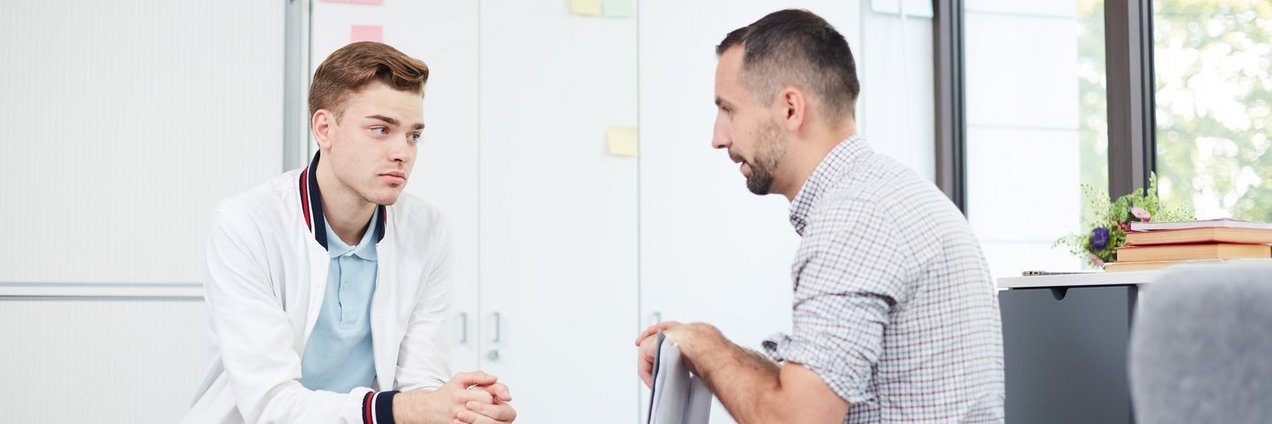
[(329, 287), (895, 315)]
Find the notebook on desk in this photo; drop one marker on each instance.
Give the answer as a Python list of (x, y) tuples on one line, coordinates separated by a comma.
[(678, 397)]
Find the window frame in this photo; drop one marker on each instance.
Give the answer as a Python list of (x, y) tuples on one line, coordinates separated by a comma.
[(1132, 143)]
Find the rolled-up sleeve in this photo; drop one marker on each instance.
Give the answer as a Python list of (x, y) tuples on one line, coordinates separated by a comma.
[(847, 279)]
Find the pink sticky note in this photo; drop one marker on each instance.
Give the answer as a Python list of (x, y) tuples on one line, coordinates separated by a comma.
[(367, 33), (371, 2)]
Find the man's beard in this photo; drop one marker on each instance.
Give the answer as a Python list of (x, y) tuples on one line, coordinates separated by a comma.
[(769, 150)]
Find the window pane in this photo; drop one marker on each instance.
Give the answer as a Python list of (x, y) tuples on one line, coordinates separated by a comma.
[(1213, 70), (1036, 126)]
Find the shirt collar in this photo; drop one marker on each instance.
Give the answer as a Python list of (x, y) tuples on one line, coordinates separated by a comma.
[(365, 248), (829, 172), (311, 206)]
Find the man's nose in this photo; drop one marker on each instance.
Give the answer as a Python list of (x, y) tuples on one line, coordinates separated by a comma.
[(400, 152), (720, 141)]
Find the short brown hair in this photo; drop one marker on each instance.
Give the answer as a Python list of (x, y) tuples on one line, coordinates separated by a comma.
[(797, 47), (354, 66)]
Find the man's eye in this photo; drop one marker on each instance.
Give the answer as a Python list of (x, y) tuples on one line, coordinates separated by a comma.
[(415, 137), (380, 130)]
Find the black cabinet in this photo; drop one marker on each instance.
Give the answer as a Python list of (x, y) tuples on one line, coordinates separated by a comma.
[(1065, 354)]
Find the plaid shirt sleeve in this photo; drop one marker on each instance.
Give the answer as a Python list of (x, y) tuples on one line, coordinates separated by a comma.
[(848, 276)]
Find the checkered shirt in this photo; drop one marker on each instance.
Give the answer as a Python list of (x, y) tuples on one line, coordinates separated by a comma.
[(894, 306)]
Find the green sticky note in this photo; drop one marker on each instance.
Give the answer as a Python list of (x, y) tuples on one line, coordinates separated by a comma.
[(619, 8), (586, 7)]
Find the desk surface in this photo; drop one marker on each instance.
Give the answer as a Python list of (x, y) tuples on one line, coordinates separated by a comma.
[(1075, 280)]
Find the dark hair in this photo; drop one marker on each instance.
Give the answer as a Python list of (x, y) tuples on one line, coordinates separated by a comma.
[(354, 66), (797, 47)]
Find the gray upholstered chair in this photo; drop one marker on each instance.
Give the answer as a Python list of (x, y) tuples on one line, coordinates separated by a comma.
[(1201, 346)]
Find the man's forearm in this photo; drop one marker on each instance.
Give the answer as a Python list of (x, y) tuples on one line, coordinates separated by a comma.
[(745, 381)]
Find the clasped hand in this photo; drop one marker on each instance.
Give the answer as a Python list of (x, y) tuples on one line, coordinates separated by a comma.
[(469, 397)]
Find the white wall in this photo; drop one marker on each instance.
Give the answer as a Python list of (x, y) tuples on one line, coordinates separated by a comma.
[(1022, 136), (122, 125), (97, 360), (897, 106)]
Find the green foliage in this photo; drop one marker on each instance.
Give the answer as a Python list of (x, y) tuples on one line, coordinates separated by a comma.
[(1115, 217), (1214, 99), (1213, 104)]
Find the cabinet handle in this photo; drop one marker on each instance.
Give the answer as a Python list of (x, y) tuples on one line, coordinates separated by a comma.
[(463, 328), (498, 324), (651, 319)]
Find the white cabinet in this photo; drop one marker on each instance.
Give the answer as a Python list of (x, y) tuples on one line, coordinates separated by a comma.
[(558, 214), (519, 97)]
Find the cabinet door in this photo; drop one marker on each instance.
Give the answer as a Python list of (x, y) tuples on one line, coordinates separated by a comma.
[(558, 214), (1065, 353), (709, 249), (444, 35)]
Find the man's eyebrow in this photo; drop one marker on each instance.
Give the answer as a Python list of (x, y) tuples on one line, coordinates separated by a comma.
[(394, 122), (386, 119)]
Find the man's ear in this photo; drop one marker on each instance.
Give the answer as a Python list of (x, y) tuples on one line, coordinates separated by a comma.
[(321, 124), (794, 106)]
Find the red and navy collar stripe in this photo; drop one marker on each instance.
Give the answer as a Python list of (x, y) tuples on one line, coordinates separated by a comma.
[(311, 205)]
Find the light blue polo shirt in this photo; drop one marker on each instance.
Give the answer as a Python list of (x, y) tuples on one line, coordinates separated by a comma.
[(338, 356)]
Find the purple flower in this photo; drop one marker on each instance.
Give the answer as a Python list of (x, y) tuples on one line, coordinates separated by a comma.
[(1141, 214), (1099, 238)]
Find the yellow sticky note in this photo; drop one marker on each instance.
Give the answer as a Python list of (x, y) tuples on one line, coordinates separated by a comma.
[(586, 7), (621, 140)]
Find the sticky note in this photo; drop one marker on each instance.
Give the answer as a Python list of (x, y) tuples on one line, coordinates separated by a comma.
[(370, 2), (619, 8), (620, 140), (366, 33), (586, 7)]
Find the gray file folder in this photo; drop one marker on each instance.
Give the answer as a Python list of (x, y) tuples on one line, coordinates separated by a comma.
[(679, 397)]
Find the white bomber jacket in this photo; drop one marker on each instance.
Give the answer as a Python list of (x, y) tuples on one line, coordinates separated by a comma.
[(268, 274)]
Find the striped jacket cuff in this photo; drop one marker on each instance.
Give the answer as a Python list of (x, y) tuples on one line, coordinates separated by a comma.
[(377, 407)]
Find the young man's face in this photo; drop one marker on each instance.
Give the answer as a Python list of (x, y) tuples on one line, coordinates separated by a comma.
[(744, 126), (371, 148)]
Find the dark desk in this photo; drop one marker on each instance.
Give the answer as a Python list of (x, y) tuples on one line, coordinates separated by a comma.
[(1065, 341)]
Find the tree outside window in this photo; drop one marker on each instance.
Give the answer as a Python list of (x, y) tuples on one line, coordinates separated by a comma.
[(1213, 64), (1213, 72)]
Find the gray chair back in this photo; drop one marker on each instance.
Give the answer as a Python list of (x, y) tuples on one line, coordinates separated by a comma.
[(1201, 346)]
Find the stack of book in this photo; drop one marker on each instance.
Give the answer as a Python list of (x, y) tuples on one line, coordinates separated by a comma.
[(1156, 245)]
